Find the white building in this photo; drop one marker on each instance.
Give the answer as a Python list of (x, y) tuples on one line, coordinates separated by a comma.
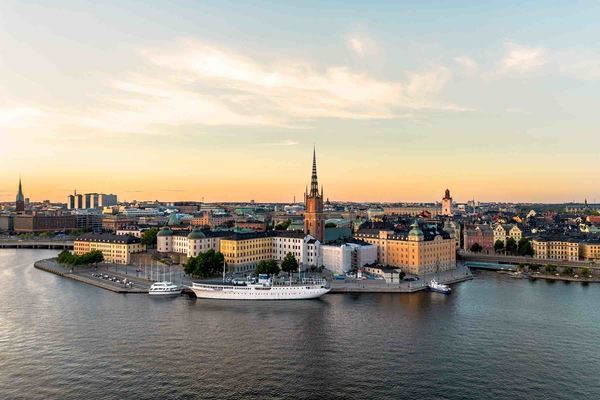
[(306, 249), (189, 243), (342, 258)]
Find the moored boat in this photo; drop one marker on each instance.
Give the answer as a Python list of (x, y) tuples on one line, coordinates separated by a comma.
[(164, 289), (264, 289), (438, 287)]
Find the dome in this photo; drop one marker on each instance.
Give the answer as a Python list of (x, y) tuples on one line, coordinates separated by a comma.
[(165, 232), (196, 234), (415, 232)]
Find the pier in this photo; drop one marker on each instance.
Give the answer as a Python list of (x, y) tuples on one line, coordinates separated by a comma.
[(84, 275)]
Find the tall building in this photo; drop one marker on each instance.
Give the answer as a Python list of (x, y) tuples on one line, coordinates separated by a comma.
[(447, 204), (20, 203), (314, 219)]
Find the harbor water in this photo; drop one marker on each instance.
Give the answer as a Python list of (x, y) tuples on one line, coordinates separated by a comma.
[(493, 337)]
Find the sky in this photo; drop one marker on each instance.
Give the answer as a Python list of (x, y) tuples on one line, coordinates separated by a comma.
[(224, 101)]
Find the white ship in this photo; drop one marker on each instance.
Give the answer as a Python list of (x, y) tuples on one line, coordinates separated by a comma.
[(164, 289), (438, 287), (265, 289)]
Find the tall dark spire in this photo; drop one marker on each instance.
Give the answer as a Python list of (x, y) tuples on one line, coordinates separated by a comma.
[(314, 183), (20, 196)]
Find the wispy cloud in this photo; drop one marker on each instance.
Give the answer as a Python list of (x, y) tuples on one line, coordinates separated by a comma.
[(361, 44), (466, 62), (522, 59), (19, 116), (288, 142)]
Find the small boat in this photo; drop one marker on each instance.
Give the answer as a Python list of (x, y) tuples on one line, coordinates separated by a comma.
[(164, 289), (434, 286)]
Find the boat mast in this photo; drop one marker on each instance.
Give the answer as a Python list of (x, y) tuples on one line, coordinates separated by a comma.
[(223, 271)]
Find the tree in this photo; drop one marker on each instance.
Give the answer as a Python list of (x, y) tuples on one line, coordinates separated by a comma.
[(149, 237), (511, 246), (498, 246), (282, 226), (205, 264), (524, 247), (269, 267), (476, 248), (289, 263), (567, 271), (550, 269), (585, 272)]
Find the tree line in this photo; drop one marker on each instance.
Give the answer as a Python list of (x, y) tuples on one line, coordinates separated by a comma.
[(522, 248), (205, 264), (93, 257)]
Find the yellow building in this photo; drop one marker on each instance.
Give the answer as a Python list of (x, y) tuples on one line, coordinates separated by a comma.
[(243, 252), (555, 249), (589, 250), (419, 252), (116, 249)]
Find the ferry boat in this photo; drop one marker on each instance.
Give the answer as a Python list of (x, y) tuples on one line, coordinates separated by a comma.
[(264, 289), (438, 287), (164, 289)]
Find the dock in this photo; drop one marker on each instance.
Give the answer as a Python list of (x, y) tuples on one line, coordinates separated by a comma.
[(84, 275)]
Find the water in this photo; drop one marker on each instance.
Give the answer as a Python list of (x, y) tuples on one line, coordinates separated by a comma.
[(494, 337)]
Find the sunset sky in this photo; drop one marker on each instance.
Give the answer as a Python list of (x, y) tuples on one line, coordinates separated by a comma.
[(182, 100)]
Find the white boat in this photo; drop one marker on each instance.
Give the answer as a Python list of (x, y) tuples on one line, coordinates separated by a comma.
[(438, 287), (164, 289), (264, 289)]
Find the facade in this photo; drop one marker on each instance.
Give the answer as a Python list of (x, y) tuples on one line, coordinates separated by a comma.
[(7, 223), (423, 250), (212, 219), (340, 259), (36, 223), (412, 210), (258, 226), (116, 249), (113, 223), (483, 235), (589, 250), (314, 219), (555, 249), (189, 243), (504, 231), (447, 204)]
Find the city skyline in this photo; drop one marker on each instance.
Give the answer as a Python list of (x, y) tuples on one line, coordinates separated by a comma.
[(218, 105)]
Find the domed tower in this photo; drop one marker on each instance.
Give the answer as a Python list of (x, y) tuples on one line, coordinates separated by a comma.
[(415, 234), (314, 219), (164, 240)]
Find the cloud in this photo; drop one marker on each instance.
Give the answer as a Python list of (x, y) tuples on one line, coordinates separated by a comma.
[(466, 62), (288, 142), (522, 59), (19, 116)]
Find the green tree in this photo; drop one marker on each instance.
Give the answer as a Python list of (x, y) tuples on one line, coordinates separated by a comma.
[(585, 272), (511, 246), (524, 247), (498, 246), (149, 237), (534, 267), (289, 263), (205, 264), (476, 248), (550, 269), (567, 271), (267, 267), (282, 226)]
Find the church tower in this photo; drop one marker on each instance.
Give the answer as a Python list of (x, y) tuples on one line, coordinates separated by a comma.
[(447, 204), (20, 203), (314, 219)]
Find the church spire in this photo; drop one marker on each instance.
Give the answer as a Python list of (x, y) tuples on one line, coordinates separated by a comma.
[(314, 183), (20, 196)]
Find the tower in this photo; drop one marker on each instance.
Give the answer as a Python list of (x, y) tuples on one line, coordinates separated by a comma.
[(20, 202), (447, 204), (314, 220)]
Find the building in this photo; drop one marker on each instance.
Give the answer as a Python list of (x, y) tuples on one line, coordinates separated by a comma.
[(589, 250), (258, 226), (504, 231), (20, 200), (212, 219), (447, 204), (37, 223), (91, 200), (132, 231), (482, 235), (413, 210), (6, 223), (345, 257), (189, 243), (555, 248), (116, 249), (314, 219), (113, 223), (424, 249)]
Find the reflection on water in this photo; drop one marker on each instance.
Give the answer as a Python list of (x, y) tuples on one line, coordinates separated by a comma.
[(494, 337)]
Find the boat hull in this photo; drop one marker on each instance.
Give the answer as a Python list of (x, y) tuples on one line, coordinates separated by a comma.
[(164, 294), (246, 293)]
